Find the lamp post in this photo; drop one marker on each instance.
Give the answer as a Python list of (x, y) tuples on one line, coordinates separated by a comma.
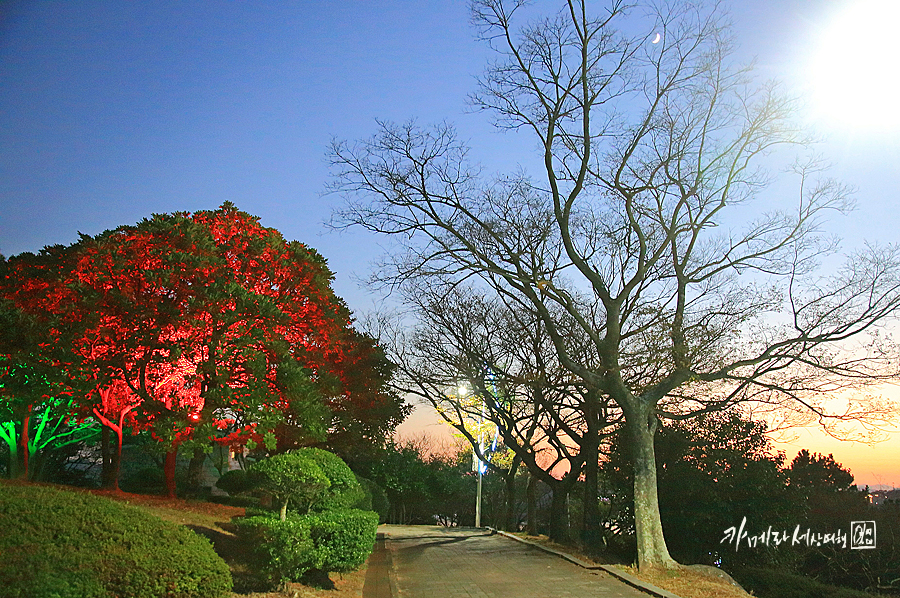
[(478, 498)]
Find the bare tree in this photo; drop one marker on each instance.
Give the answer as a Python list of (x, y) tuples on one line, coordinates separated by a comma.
[(651, 228), (516, 387)]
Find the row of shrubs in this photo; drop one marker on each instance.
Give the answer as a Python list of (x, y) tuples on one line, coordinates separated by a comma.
[(61, 544)]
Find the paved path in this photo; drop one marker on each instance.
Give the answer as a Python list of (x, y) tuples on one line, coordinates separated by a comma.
[(436, 562)]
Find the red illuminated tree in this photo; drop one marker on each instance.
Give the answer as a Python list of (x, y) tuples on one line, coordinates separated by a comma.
[(210, 327)]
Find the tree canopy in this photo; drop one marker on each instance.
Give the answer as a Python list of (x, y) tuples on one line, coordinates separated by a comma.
[(203, 328)]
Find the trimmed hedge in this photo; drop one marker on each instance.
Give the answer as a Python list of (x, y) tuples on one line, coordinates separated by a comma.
[(343, 538), (279, 549), (294, 476), (331, 541), (59, 544)]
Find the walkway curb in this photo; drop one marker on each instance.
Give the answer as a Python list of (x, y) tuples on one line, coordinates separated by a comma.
[(612, 570), (380, 581)]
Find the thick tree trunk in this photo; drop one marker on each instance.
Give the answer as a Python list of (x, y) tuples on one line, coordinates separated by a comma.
[(509, 515), (112, 458), (12, 443), (105, 457), (651, 543), (590, 448), (559, 513), (195, 467), (117, 460), (531, 499), (169, 471)]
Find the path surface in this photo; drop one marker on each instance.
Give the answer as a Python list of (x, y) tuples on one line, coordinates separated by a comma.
[(436, 562)]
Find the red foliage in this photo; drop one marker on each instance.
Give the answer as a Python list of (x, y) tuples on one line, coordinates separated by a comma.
[(203, 327)]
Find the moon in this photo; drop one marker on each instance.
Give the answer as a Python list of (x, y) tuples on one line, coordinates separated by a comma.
[(657, 38)]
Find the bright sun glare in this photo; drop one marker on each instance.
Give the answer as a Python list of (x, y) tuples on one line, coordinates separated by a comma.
[(856, 67)]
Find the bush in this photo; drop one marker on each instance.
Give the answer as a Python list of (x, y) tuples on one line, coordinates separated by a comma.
[(237, 481), (373, 499), (291, 476), (769, 583), (146, 480), (332, 541), (79, 545), (279, 549), (344, 490), (311, 479), (343, 539)]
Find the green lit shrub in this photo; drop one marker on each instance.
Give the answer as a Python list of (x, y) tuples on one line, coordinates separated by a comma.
[(330, 541), (73, 544)]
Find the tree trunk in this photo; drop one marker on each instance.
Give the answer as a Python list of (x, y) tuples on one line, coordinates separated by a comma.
[(531, 499), (195, 468), (169, 471), (116, 460), (105, 457), (283, 512), (509, 516), (11, 439), (590, 523), (24, 440), (112, 458), (13, 468), (559, 513), (651, 543)]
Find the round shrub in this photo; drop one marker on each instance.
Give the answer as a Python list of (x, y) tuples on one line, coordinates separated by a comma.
[(331, 541), (74, 544), (291, 476), (310, 479), (237, 481), (343, 490)]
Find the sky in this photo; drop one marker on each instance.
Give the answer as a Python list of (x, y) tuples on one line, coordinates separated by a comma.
[(113, 110)]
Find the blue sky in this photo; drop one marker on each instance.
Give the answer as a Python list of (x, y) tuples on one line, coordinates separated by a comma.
[(113, 110)]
